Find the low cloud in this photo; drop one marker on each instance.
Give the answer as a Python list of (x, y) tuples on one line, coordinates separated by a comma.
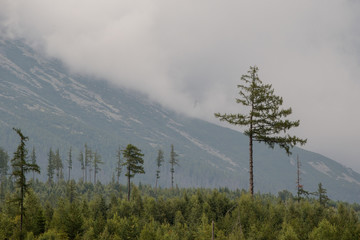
[(189, 55)]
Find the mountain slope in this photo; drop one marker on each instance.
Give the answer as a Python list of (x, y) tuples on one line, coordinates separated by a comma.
[(58, 109)]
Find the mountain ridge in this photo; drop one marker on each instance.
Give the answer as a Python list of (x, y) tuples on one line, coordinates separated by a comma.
[(58, 109)]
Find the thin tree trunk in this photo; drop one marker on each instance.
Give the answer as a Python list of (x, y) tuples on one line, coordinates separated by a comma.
[(298, 177), (251, 165), (95, 176), (128, 189), (128, 184), (172, 176), (21, 205)]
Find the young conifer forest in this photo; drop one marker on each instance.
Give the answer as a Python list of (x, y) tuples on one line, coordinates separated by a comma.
[(63, 208)]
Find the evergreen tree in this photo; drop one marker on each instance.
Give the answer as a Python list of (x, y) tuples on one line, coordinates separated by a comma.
[(58, 165), (119, 164), (86, 159), (134, 163), (159, 161), (322, 196), (300, 188), (82, 164), (90, 159), (20, 167), (33, 160), (4, 159), (265, 119), (69, 161), (51, 166), (173, 161), (71, 191), (97, 161)]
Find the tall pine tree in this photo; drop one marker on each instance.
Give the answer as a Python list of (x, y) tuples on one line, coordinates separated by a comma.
[(159, 161), (58, 165), (20, 166), (134, 163), (173, 161), (69, 161), (118, 164), (82, 164), (51, 166), (97, 161), (265, 120)]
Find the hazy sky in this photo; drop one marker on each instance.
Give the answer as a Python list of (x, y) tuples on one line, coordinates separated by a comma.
[(190, 55)]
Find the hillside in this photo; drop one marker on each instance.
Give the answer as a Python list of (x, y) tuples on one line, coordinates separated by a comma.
[(59, 109)]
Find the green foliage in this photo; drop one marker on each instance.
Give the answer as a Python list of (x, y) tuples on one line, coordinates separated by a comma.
[(82, 164), (97, 161), (51, 166), (20, 166), (322, 197), (78, 210), (58, 165), (134, 163), (265, 119)]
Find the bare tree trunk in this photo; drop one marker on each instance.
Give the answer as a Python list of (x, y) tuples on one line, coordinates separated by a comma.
[(128, 197), (129, 176), (172, 179), (251, 180), (22, 193)]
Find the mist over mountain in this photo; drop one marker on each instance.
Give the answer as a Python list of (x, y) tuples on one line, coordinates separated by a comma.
[(58, 109)]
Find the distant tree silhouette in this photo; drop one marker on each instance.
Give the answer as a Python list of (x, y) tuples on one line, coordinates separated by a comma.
[(159, 161), (173, 161), (69, 161), (118, 164)]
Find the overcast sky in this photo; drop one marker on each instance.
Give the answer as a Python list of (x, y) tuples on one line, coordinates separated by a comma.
[(190, 55)]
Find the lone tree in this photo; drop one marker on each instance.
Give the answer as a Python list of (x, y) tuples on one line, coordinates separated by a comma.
[(159, 161), (20, 166), (173, 161), (133, 162), (264, 118)]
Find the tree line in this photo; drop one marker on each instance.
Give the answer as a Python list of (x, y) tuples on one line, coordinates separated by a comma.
[(80, 210), (90, 162)]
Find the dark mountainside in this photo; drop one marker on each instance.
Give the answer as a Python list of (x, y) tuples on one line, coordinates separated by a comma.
[(58, 109)]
